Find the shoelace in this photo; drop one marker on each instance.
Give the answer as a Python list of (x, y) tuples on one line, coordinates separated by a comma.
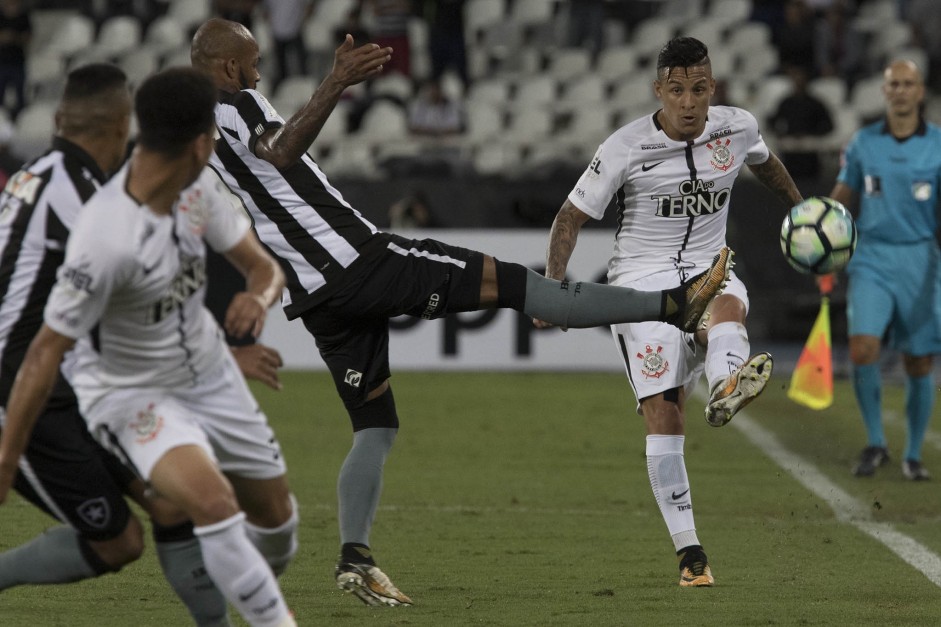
[(696, 564)]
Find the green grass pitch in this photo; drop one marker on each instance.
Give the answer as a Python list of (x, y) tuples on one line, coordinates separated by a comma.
[(522, 499)]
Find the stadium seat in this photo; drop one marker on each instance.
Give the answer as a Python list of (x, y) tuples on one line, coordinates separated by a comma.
[(165, 34), (489, 90), (45, 76), (529, 13), (33, 130), (318, 35), (350, 158), (723, 62), (830, 89), (890, 37), (382, 122), (749, 36), (331, 14), (139, 64), (480, 15), (771, 90), (651, 34), (866, 98), (569, 63), (710, 30), (189, 13), (395, 85), (615, 62), (497, 158), (584, 92), (176, 58), (485, 121), (535, 91), (292, 93), (730, 11), (755, 64), (118, 35), (73, 35), (528, 125)]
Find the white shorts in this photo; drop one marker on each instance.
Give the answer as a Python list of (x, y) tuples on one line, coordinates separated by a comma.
[(658, 356), (220, 415)]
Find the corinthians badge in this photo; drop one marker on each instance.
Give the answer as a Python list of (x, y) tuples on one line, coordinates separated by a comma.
[(654, 365), (722, 157)]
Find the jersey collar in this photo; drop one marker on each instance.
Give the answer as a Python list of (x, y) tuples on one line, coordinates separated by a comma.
[(76, 152), (921, 130)]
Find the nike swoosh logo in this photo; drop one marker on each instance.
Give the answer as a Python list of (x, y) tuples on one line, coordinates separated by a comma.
[(646, 167), (677, 497), (248, 595)]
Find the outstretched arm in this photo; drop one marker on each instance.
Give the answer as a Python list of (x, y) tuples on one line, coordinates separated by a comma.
[(34, 381), (283, 146), (562, 239), (776, 178)]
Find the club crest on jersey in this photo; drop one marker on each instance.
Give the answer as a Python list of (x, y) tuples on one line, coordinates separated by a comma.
[(95, 512), (147, 425), (653, 365), (193, 206), (722, 157)]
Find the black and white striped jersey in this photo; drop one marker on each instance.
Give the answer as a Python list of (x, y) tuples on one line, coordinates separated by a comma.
[(319, 239), (38, 208)]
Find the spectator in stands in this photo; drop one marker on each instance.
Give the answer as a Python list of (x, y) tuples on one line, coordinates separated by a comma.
[(411, 212), (16, 29), (925, 19), (388, 24), (795, 38), (286, 20), (433, 113), (586, 25), (236, 10), (839, 50), (800, 116), (9, 163), (446, 45)]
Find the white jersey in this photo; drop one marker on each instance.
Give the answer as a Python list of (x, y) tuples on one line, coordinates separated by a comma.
[(135, 281), (672, 196)]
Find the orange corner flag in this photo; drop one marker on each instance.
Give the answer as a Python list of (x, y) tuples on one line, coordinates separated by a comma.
[(812, 381)]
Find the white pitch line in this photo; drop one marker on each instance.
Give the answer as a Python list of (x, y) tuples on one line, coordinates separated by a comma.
[(845, 507)]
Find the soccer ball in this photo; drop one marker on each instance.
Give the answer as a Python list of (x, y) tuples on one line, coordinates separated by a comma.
[(818, 236)]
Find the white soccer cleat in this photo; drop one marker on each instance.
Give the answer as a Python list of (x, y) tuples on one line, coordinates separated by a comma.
[(369, 584), (739, 389)]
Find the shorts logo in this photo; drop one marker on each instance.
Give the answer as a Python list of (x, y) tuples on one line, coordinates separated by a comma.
[(353, 378), (921, 190), (654, 365), (722, 157), (147, 425), (95, 512)]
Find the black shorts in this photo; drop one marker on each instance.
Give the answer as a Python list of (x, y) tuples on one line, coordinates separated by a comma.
[(67, 474), (420, 278)]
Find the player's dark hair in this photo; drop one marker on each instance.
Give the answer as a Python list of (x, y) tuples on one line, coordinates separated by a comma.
[(92, 80), (682, 52), (173, 108)]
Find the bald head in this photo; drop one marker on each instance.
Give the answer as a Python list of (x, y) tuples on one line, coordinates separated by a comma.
[(227, 52), (904, 88)]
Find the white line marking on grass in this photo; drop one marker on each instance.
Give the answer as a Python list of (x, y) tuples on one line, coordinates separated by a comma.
[(846, 508)]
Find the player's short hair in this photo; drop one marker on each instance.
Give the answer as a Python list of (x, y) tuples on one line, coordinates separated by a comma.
[(173, 108), (682, 52), (93, 80)]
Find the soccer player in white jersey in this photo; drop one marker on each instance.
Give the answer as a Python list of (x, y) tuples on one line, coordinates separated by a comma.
[(671, 175), (156, 382), (346, 279)]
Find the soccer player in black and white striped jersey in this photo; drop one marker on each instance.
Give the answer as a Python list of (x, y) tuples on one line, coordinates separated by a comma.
[(346, 279)]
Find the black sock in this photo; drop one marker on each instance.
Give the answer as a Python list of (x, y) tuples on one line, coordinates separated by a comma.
[(356, 553)]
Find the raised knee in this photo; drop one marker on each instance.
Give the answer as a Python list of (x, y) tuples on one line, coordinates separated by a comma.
[(123, 549)]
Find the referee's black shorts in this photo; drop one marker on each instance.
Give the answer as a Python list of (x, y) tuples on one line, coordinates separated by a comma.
[(67, 474), (420, 278)]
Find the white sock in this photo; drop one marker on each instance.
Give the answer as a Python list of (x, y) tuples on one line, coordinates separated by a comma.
[(726, 350), (667, 471), (240, 572), (276, 545)]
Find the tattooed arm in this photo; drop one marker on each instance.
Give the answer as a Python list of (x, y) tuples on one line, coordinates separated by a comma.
[(776, 178), (562, 239)]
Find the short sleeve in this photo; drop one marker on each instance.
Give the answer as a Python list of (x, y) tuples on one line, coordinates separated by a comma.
[(228, 222), (84, 283), (851, 173), (756, 151), (604, 176), (257, 114)]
